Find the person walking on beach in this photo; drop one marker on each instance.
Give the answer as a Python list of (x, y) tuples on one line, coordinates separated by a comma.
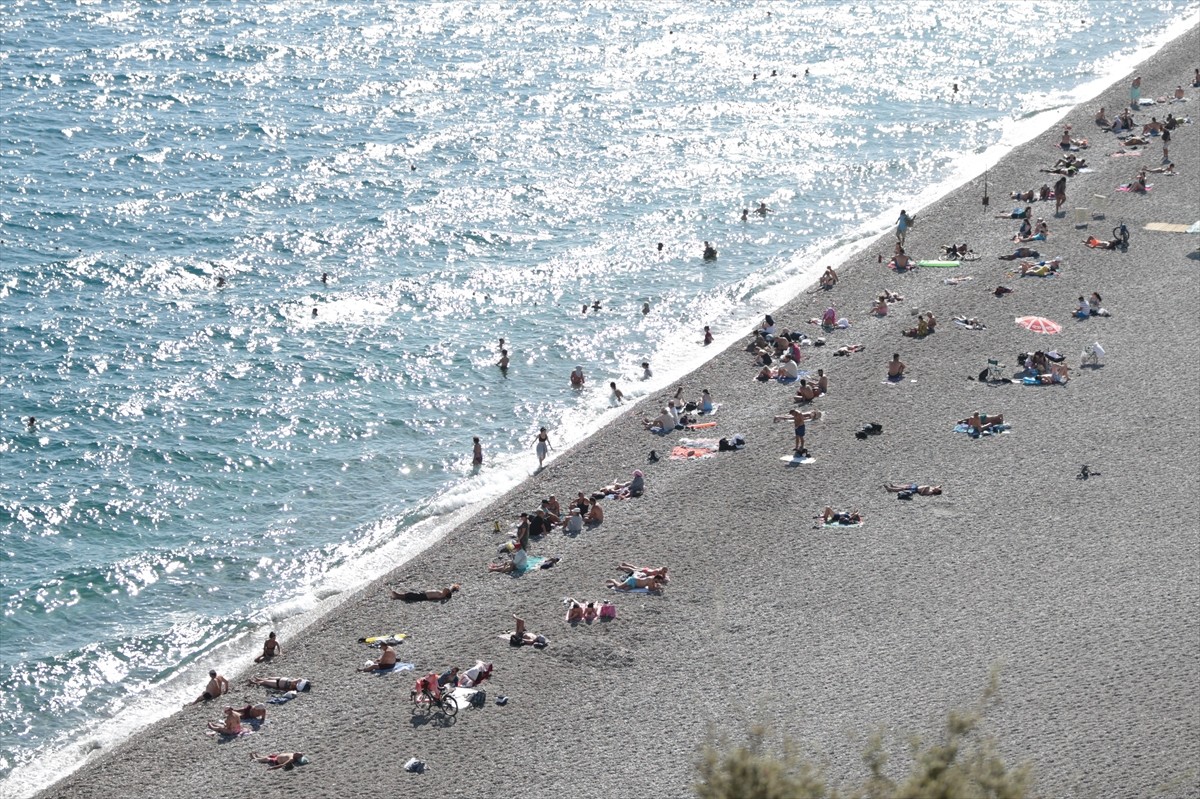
[(799, 418), (902, 225), (477, 452), (543, 446), (1060, 194), (217, 686), (271, 648), (1135, 93)]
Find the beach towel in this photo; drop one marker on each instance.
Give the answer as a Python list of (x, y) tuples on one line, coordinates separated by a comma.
[(693, 448), (531, 562), (939, 264), (283, 698), (396, 669), (834, 523), (634, 591), (963, 428), (1128, 187), (390, 640)]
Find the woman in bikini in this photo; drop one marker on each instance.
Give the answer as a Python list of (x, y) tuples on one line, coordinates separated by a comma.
[(281, 683)]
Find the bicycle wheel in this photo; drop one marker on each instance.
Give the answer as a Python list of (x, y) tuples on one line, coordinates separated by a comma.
[(420, 702), (449, 704)]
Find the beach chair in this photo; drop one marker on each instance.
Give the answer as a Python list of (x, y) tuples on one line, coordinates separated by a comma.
[(1092, 354), (992, 371)]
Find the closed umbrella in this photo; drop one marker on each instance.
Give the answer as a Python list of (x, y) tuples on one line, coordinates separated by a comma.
[(1039, 324)]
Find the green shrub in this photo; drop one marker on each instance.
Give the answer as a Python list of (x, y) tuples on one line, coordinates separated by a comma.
[(963, 764)]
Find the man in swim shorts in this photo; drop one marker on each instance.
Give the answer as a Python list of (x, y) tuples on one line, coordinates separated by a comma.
[(799, 418), (217, 685)]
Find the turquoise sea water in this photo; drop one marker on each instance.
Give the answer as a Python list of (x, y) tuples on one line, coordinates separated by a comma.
[(211, 461)]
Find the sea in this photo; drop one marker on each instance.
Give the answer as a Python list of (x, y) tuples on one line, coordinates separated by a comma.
[(257, 260)]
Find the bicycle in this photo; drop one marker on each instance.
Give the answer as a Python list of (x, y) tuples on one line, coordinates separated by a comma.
[(424, 701)]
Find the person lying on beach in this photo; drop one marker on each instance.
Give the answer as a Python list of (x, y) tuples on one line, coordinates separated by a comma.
[(1020, 252), (829, 279), (1058, 373), (634, 488), (1068, 171), (956, 251), (634, 582), (232, 725), (271, 648), (1023, 196), (1169, 169), (848, 349), (1025, 213), (970, 322), (982, 422), (925, 491), (284, 760), (476, 675), (581, 611), (1040, 268), (895, 366), (217, 686), (432, 595), (281, 683), (1135, 141), (829, 515), (523, 637), (892, 296), (659, 572), (252, 713), (1101, 244), (385, 661)]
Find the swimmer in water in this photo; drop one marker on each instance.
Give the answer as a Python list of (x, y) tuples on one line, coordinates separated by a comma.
[(596, 305), (745, 214), (708, 336), (220, 282), (660, 246), (646, 373), (710, 252), (314, 311), (645, 308), (616, 393), (503, 362), (762, 209), (32, 423), (325, 277)]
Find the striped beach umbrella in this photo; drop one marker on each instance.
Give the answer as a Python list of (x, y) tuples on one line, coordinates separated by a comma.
[(1039, 324)]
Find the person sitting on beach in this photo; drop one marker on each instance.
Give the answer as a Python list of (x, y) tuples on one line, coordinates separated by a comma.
[(232, 725), (633, 488), (829, 317), (573, 524), (580, 611), (806, 392), (1066, 142), (1102, 118), (636, 581), (595, 515), (271, 648), (1021, 252), (1153, 127), (1023, 196), (1139, 183), (831, 516), (663, 422), (523, 637), (706, 403), (217, 686), (829, 279), (520, 558), (1101, 244), (1096, 308), (1084, 309), (252, 713), (768, 328), (925, 491), (284, 760), (385, 661), (901, 261), (895, 366), (921, 330), (432, 595), (880, 308), (1024, 231), (1025, 213), (282, 684)]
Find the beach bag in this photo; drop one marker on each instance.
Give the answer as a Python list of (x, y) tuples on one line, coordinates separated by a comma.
[(904, 495), (724, 445)]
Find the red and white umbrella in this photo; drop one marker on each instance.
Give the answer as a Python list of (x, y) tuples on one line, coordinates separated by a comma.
[(1039, 324)]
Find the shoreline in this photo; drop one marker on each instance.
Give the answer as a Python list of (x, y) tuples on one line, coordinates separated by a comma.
[(581, 466)]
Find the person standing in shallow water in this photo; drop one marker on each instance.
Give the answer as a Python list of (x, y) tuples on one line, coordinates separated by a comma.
[(477, 452)]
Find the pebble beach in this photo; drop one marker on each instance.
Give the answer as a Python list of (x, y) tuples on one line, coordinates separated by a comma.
[(1083, 593)]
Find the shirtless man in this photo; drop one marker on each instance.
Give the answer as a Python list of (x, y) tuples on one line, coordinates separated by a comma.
[(806, 393), (271, 648), (252, 713), (901, 260), (281, 683), (895, 366), (386, 660), (829, 279), (217, 686), (925, 491), (799, 418), (503, 362)]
